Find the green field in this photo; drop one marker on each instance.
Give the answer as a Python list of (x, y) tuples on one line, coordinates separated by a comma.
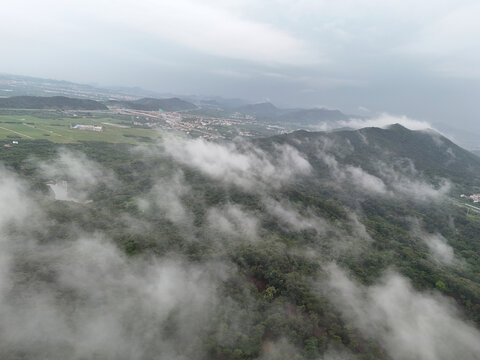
[(17, 127)]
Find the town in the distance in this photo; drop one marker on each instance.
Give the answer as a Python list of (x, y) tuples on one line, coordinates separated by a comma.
[(32, 108)]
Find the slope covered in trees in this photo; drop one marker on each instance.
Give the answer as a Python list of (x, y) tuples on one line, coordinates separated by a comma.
[(344, 245)]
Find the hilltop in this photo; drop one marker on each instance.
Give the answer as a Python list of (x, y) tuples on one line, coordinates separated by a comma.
[(429, 151)]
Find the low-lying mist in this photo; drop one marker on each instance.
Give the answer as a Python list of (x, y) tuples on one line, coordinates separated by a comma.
[(191, 249)]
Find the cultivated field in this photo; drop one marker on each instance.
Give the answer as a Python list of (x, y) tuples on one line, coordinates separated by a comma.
[(17, 127)]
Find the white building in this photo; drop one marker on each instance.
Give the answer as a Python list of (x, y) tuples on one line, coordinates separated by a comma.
[(88, 127)]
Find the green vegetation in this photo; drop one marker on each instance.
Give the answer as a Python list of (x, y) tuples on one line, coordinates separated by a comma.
[(57, 130), (270, 290)]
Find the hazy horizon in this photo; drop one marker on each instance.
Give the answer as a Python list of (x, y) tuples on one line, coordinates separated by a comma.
[(399, 57)]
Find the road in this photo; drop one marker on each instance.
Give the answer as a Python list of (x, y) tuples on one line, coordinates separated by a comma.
[(16, 132), (468, 206)]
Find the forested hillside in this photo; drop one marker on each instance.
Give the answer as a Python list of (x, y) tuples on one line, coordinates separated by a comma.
[(344, 245)]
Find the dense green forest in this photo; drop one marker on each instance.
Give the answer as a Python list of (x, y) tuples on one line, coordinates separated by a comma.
[(344, 245)]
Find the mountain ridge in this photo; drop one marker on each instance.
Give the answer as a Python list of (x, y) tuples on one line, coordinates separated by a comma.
[(430, 151), (154, 104)]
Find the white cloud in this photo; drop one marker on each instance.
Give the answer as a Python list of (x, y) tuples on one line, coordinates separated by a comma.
[(82, 297), (123, 305), (398, 179), (384, 120), (287, 214), (167, 195), (200, 25), (451, 37), (81, 173), (247, 167), (407, 181), (234, 221), (216, 31), (15, 205), (353, 175), (408, 323), (439, 248)]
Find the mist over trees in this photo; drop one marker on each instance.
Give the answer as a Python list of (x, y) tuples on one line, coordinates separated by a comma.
[(301, 246), (239, 180)]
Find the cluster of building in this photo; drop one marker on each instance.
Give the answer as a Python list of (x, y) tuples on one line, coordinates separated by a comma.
[(241, 116), (202, 125), (87, 127), (474, 197), (14, 142)]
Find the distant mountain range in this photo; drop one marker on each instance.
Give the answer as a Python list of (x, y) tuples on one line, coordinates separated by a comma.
[(67, 103), (260, 109), (312, 116), (151, 104), (17, 85), (291, 119), (52, 102), (296, 118)]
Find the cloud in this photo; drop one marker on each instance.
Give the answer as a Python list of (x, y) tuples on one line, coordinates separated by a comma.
[(15, 208), (409, 324), (405, 180), (114, 309), (450, 41), (81, 297), (203, 26), (353, 175), (240, 164), (399, 178), (280, 350), (439, 248), (15, 202), (233, 221), (348, 236), (78, 171), (167, 195), (287, 214), (384, 120), (437, 245), (216, 30), (284, 350)]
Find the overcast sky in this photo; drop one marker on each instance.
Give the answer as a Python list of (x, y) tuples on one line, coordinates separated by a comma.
[(419, 58)]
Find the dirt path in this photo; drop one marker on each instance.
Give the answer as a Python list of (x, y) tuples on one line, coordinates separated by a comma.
[(117, 125), (43, 129), (16, 132)]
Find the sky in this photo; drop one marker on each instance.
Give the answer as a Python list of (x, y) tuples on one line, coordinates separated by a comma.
[(413, 58)]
